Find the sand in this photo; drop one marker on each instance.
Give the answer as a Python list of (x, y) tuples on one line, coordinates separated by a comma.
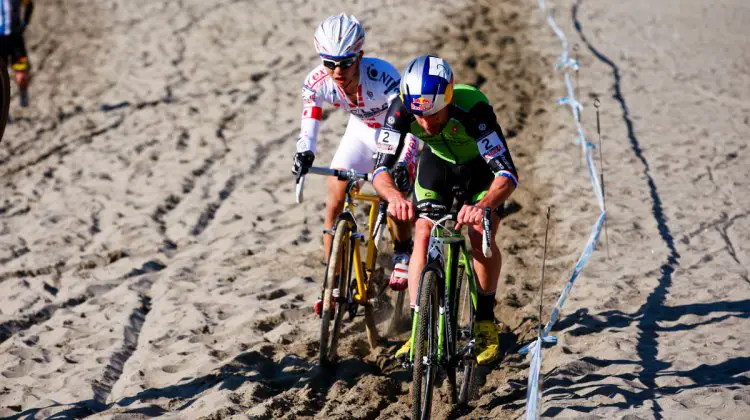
[(154, 263)]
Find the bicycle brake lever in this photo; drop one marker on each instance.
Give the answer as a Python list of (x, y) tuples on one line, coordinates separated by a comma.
[(487, 234), (300, 188)]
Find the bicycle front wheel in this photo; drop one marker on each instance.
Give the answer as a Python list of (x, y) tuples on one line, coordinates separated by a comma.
[(464, 317), (425, 348), (335, 287)]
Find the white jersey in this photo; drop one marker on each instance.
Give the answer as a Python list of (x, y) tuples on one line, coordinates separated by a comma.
[(378, 85)]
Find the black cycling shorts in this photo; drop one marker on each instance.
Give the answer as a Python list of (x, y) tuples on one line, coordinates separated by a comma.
[(437, 178), (12, 48)]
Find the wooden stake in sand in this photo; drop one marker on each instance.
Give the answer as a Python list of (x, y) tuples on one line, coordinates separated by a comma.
[(601, 175), (544, 263), (578, 90), (537, 359)]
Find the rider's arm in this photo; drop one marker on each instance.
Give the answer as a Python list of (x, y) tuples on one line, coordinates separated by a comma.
[(495, 152), (312, 110), (499, 191), (390, 146)]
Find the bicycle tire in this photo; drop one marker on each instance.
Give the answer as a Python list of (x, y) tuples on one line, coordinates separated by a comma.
[(465, 318), (4, 96), (336, 284), (426, 338), (371, 328)]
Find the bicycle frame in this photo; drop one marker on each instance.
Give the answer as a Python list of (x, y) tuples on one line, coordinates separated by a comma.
[(361, 274), (446, 261)]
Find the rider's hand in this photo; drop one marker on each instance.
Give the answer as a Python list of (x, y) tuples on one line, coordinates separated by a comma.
[(401, 209), (302, 162), (469, 215)]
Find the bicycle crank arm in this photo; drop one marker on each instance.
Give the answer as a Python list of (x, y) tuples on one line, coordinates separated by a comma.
[(467, 348)]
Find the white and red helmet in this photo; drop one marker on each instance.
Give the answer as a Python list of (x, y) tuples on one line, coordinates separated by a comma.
[(339, 36)]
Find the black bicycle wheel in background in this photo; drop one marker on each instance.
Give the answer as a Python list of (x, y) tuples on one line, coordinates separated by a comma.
[(425, 346), (335, 289), (4, 96)]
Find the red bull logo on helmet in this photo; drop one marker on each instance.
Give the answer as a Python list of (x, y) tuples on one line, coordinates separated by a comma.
[(421, 104)]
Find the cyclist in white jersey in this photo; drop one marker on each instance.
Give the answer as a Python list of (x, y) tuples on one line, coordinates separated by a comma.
[(363, 86)]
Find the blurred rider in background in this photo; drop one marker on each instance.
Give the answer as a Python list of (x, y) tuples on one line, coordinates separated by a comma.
[(363, 87), (13, 23)]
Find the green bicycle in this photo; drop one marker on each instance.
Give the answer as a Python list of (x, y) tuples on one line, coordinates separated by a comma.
[(442, 330)]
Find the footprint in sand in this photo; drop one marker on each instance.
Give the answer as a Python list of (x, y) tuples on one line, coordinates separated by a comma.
[(272, 295), (170, 368)]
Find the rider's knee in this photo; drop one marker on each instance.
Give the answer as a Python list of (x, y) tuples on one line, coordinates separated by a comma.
[(422, 230)]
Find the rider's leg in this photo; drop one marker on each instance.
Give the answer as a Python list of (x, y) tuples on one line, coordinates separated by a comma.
[(418, 257), (402, 249), (334, 202), (416, 265), (20, 60), (352, 153), (487, 269), (21, 72), (486, 332)]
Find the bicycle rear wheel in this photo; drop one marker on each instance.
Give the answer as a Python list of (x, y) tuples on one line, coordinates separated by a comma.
[(425, 348), (4, 96), (335, 290)]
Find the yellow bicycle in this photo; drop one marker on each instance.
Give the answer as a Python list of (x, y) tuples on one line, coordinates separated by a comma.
[(349, 281)]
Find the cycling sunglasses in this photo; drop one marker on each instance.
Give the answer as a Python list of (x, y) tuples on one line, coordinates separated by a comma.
[(344, 63)]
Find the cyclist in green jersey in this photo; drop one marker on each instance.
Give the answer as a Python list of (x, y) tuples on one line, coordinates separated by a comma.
[(465, 148)]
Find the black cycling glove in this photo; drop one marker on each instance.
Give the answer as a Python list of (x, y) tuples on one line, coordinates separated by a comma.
[(302, 162)]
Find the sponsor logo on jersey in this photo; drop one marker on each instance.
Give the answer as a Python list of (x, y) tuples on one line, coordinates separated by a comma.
[(369, 113), (494, 152), (410, 155), (308, 95), (421, 104), (391, 120), (315, 78), (393, 87), (505, 161), (482, 127), (372, 73)]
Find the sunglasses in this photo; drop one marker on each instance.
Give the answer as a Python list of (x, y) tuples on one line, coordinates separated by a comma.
[(343, 63)]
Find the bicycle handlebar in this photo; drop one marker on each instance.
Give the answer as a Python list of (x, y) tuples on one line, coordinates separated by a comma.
[(343, 175), (439, 215)]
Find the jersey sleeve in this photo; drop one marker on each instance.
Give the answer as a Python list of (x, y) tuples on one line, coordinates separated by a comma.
[(312, 111), (391, 138), (491, 142)]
